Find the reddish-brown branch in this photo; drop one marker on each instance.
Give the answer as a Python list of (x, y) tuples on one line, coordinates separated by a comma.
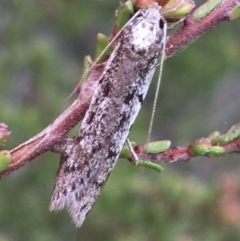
[(175, 154), (56, 133), (192, 30)]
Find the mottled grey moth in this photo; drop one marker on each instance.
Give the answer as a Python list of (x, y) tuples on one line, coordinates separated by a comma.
[(113, 109)]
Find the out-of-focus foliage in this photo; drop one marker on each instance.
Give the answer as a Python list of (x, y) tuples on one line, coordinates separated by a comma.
[(42, 44)]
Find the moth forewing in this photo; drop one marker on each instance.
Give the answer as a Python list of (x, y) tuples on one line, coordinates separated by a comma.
[(113, 109)]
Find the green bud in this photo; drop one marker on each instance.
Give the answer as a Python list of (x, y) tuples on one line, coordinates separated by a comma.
[(4, 133), (214, 137), (200, 147)]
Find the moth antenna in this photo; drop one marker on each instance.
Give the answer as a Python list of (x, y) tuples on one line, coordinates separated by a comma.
[(136, 159), (161, 70), (158, 83)]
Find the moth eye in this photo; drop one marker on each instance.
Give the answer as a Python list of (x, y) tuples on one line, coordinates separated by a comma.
[(161, 23)]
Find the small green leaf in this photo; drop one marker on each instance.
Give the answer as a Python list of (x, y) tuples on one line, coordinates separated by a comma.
[(126, 152), (102, 50), (124, 13), (151, 165), (235, 13), (205, 9), (156, 147), (215, 151), (177, 9), (5, 159), (231, 134)]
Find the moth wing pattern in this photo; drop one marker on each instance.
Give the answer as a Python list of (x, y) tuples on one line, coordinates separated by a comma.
[(113, 109)]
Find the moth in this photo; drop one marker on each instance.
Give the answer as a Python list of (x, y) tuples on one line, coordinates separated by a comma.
[(114, 107)]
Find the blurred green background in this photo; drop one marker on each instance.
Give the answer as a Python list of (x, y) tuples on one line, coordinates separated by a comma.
[(42, 45)]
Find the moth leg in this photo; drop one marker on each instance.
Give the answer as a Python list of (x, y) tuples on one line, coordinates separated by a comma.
[(135, 158), (174, 24)]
